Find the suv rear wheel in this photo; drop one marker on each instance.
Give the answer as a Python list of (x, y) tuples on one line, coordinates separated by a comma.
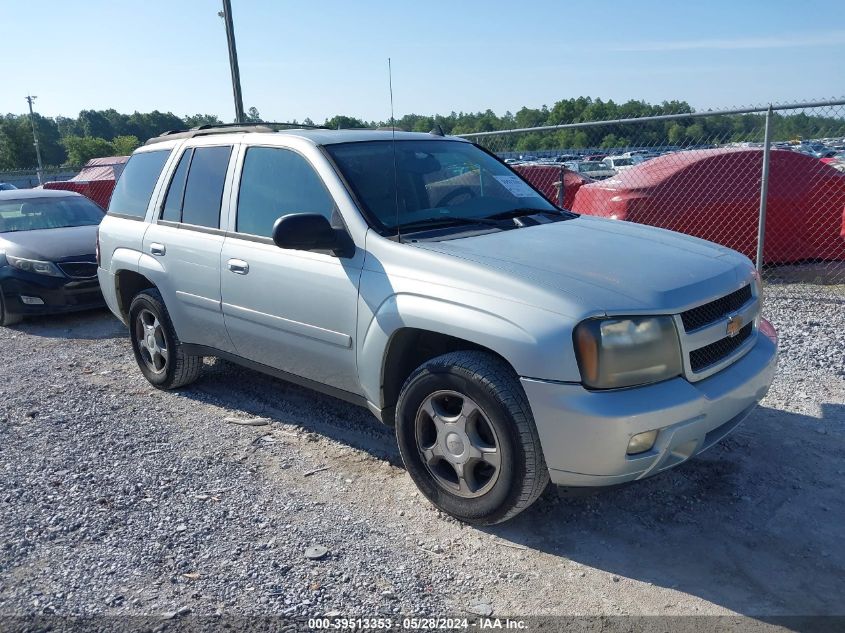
[(468, 439), (159, 352)]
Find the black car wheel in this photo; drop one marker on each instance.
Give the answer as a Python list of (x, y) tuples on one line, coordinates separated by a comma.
[(468, 439), (158, 351), (7, 318)]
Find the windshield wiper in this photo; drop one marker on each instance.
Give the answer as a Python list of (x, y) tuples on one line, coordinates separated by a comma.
[(446, 221), (523, 211)]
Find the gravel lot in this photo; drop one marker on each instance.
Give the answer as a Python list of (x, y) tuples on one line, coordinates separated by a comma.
[(116, 498)]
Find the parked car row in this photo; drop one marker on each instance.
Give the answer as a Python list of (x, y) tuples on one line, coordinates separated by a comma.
[(417, 276), (595, 166)]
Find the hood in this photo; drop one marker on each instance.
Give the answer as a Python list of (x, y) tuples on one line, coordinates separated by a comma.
[(51, 244), (608, 263)]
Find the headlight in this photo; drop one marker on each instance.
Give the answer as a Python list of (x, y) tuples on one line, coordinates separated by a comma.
[(34, 266), (623, 352)]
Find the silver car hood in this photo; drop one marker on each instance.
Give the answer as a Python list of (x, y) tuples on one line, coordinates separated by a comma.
[(608, 263)]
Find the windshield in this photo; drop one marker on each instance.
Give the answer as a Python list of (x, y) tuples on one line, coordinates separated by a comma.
[(622, 162), (443, 180), (32, 214)]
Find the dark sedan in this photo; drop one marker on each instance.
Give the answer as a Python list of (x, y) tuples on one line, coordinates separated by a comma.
[(48, 261)]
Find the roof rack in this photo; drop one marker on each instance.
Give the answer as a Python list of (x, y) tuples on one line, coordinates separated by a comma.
[(222, 128)]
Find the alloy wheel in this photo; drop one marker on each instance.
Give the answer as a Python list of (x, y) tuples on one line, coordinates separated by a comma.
[(458, 444), (151, 341)]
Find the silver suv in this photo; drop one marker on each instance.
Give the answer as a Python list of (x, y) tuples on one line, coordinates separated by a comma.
[(508, 341)]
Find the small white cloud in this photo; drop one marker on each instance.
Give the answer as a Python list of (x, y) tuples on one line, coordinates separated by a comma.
[(806, 40)]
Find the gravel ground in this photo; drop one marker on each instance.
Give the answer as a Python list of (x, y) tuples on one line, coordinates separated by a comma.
[(116, 498)]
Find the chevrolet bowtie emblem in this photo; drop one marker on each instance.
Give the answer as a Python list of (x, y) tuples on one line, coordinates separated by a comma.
[(734, 325)]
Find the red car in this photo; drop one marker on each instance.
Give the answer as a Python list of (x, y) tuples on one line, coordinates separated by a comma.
[(544, 177), (715, 194)]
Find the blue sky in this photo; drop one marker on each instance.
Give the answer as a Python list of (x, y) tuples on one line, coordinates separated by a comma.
[(321, 58)]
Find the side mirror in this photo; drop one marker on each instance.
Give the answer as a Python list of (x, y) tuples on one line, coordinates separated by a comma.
[(307, 232)]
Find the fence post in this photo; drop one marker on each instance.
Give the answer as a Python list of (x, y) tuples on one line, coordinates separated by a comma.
[(560, 192), (764, 192)]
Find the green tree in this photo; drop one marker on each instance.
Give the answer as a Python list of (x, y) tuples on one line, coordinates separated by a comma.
[(252, 115), (81, 149), (529, 142), (341, 122), (675, 134), (695, 133), (16, 149), (95, 124), (196, 120), (125, 145), (609, 141)]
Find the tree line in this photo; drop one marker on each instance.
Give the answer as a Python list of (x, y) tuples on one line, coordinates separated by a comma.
[(94, 133)]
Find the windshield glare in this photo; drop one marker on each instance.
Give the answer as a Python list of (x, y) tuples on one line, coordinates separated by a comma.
[(433, 179), (32, 214)]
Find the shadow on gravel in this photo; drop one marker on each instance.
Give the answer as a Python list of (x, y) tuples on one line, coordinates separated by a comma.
[(754, 525), (89, 325), (255, 394)]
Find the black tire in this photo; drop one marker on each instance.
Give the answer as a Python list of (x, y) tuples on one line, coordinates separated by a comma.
[(180, 369), (494, 386), (5, 317)]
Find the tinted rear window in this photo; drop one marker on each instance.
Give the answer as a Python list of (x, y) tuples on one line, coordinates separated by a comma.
[(135, 186), (204, 190)]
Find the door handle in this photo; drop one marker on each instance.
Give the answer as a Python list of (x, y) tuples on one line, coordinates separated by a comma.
[(238, 266), (157, 249)]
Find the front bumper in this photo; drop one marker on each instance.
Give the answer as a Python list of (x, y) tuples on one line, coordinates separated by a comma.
[(585, 434), (59, 294)]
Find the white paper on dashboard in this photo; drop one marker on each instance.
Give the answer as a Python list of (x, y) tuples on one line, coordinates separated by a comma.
[(516, 186)]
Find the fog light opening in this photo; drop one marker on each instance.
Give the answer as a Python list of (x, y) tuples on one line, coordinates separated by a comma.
[(642, 442), (32, 301)]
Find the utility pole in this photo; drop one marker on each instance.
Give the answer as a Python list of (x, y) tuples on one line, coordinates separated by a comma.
[(226, 14), (40, 171)]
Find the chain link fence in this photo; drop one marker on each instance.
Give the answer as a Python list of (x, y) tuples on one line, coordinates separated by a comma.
[(28, 178), (710, 174), (95, 180)]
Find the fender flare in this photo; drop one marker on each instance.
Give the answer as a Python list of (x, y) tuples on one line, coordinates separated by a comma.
[(405, 310)]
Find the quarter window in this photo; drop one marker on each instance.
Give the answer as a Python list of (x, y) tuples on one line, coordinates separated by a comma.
[(277, 182), (204, 188), (135, 186), (176, 191)]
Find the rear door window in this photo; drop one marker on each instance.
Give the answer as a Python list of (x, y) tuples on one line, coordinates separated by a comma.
[(204, 188), (135, 186)]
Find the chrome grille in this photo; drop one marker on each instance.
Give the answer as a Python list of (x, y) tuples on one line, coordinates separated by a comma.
[(715, 310), (79, 270), (708, 355)]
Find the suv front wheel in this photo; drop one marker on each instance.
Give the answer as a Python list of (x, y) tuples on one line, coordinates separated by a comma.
[(159, 352), (468, 439)]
